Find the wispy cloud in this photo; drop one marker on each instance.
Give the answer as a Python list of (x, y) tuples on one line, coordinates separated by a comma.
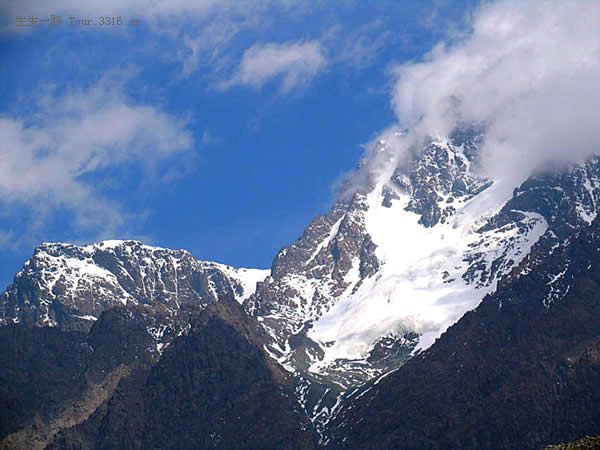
[(358, 47), (207, 48), (294, 64), (207, 38), (50, 154)]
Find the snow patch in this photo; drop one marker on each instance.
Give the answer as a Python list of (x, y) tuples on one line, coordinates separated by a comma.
[(420, 285)]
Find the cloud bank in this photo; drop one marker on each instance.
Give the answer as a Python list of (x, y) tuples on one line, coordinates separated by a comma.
[(50, 154), (294, 63), (528, 70)]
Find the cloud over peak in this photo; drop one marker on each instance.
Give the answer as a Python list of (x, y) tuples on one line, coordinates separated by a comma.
[(528, 70)]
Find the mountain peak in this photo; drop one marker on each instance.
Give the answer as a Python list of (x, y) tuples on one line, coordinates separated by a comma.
[(69, 285)]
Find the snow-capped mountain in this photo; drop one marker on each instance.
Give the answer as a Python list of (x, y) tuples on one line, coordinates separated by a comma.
[(409, 248), (67, 285), (388, 270)]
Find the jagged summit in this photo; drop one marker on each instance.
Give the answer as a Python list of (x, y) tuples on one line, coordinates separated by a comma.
[(68, 285), (391, 267)]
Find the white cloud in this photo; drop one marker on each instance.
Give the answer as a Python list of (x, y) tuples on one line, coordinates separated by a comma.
[(295, 64), (48, 155), (529, 70), (209, 35), (203, 30)]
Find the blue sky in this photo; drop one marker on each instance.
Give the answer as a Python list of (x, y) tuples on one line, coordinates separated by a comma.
[(218, 127)]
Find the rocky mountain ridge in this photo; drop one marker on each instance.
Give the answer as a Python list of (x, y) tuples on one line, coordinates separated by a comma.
[(70, 286), (368, 287), (383, 275)]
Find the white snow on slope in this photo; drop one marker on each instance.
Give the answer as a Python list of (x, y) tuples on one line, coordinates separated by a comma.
[(411, 291), (246, 277), (81, 271)]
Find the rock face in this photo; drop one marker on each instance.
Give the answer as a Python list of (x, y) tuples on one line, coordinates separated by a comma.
[(441, 176), (38, 369), (227, 392), (519, 372), (54, 379), (214, 386), (70, 286)]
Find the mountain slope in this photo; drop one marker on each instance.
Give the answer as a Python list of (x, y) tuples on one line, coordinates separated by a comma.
[(53, 379), (214, 387), (520, 371), (420, 242)]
